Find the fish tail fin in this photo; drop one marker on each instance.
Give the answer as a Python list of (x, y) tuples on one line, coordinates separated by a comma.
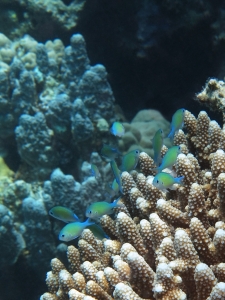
[(89, 222), (171, 134), (157, 160), (121, 188), (116, 204), (157, 169), (180, 180), (76, 218)]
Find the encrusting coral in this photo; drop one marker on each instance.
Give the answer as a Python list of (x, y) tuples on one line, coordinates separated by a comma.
[(140, 131), (163, 245)]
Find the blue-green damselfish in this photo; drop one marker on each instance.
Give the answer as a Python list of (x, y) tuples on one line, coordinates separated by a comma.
[(73, 230), (169, 159), (112, 189), (95, 171), (117, 129), (109, 152), (63, 214), (116, 173), (157, 144), (164, 181), (177, 122), (68, 216), (130, 160), (98, 209)]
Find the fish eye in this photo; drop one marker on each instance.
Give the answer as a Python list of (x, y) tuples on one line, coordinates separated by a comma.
[(178, 147), (157, 181), (51, 212), (90, 212), (63, 235), (137, 151), (183, 110)]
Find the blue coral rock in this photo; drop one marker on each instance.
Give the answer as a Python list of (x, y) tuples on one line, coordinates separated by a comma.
[(35, 143), (38, 233), (11, 240), (53, 100)]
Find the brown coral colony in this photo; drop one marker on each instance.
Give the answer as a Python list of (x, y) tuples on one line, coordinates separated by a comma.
[(162, 245)]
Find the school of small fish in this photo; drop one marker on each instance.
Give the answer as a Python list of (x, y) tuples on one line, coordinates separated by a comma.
[(163, 180)]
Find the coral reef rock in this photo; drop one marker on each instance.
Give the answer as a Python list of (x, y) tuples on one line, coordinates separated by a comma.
[(53, 103), (140, 131)]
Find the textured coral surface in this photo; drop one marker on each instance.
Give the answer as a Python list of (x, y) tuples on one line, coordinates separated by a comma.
[(162, 246)]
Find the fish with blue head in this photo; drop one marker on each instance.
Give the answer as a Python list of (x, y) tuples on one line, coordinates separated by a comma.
[(164, 181), (98, 209), (73, 230), (130, 160), (117, 129)]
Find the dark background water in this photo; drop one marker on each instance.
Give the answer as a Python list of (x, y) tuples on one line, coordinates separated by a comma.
[(158, 55), (20, 282)]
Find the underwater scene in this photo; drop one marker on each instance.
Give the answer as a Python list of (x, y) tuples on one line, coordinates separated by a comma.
[(112, 150)]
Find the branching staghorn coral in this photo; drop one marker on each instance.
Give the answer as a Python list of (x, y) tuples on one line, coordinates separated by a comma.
[(163, 245)]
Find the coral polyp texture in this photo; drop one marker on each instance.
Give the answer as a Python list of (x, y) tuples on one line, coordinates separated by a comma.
[(213, 95), (161, 245)]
